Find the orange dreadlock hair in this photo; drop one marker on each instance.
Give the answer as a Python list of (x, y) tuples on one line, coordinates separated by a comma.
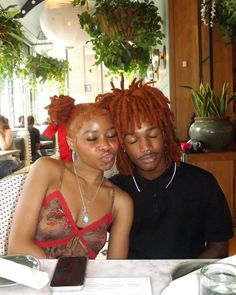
[(63, 110), (81, 113), (130, 107), (59, 107)]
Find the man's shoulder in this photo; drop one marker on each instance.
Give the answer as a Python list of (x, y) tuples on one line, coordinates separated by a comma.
[(196, 176), (120, 180), (33, 130), (189, 169), (118, 177)]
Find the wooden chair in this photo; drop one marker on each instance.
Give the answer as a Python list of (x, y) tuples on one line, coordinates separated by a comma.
[(10, 190)]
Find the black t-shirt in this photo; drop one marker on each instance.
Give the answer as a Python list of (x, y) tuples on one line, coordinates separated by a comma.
[(34, 138), (175, 222)]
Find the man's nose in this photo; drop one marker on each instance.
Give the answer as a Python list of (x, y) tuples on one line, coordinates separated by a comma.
[(145, 146)]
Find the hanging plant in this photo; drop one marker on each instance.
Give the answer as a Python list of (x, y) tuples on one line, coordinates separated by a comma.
[(42, 68), (11, 42), (123, 33), (222, 13)]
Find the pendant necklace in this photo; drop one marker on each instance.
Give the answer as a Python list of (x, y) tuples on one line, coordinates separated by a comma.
[(172, 177), (85, 218)]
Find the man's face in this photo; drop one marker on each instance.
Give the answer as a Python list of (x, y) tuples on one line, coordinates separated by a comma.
[(145, 148)]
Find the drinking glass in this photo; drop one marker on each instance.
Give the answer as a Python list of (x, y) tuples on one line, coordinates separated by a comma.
[(217, 278)]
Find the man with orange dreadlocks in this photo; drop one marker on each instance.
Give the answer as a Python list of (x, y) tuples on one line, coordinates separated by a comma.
[(180, 210)]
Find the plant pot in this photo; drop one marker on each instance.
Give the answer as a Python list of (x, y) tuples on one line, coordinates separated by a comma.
[(216, 133), (121, 23)]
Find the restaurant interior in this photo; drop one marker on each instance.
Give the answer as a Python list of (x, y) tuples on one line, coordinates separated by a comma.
[(54, 56)]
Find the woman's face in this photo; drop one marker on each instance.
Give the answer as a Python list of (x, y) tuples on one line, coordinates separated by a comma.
[(96, 142)]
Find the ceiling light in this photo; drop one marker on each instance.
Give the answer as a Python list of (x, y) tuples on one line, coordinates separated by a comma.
[(60, 24)]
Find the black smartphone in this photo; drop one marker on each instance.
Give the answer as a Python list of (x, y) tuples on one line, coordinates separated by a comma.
[(69, 273)]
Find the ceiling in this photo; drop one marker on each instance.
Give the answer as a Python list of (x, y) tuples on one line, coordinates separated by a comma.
[(30, 20)]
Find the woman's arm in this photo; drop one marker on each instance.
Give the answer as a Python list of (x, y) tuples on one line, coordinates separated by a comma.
[(5, 139), (118, 244), (25, 220)]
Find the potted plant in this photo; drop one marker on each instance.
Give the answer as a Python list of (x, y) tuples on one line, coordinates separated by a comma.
[(222, 13), (11, 41), (41, 68), (123, 33), (211, 126)]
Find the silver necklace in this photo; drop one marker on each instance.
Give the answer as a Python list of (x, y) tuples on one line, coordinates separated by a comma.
[(85, 218), (171, 179)]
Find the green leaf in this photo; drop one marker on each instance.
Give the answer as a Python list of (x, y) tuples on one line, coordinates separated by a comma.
[(206, 103), (133, 29)]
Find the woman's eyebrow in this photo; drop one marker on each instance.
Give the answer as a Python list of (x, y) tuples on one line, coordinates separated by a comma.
[(90, 131), (97, 130)]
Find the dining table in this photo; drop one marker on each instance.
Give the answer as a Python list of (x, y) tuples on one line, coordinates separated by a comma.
[(159, 272), (9, 152)]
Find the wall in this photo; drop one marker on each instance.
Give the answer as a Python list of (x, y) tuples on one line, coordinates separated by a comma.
[(183, 33), (84, 77), (185, 61), (164, 73), (222, 62)]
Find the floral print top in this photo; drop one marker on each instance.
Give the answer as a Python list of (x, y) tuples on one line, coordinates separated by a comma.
[(58, 235)]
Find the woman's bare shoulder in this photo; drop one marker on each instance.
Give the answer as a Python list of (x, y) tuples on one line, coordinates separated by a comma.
[(47, 165), (47, 161)]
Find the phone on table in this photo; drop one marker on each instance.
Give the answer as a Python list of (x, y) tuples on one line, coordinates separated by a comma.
[(69, 273)]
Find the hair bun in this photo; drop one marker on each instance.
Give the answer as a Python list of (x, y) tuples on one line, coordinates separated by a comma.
[(60, 107)]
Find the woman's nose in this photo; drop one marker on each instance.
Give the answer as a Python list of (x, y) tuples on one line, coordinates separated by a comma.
[(104, 145)]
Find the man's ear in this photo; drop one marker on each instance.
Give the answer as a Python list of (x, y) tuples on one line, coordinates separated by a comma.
[(71, 143)]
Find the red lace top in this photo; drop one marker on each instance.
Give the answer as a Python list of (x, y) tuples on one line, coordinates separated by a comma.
[(58, 234)]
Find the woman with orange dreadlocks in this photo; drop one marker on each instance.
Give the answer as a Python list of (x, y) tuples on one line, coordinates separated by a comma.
[(180, 210), (67, 207)]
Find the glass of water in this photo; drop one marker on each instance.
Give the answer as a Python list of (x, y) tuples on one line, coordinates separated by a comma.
[(217, 278)]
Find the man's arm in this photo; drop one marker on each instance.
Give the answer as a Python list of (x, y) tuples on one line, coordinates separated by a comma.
[(215, 250)]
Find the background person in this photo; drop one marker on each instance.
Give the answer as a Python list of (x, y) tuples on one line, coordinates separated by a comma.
[(73, 205), (8, 164), (21, 121), (180, 210), (34, 139)]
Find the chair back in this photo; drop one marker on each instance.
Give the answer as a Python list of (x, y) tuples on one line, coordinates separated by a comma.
[(27, 156), (10, 190), (19, 144)]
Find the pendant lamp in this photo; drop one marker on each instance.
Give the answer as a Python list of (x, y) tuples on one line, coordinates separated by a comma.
[(60, 24)]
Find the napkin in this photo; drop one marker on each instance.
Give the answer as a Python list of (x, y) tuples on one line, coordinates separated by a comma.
[(23, 274), (188, 284)]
